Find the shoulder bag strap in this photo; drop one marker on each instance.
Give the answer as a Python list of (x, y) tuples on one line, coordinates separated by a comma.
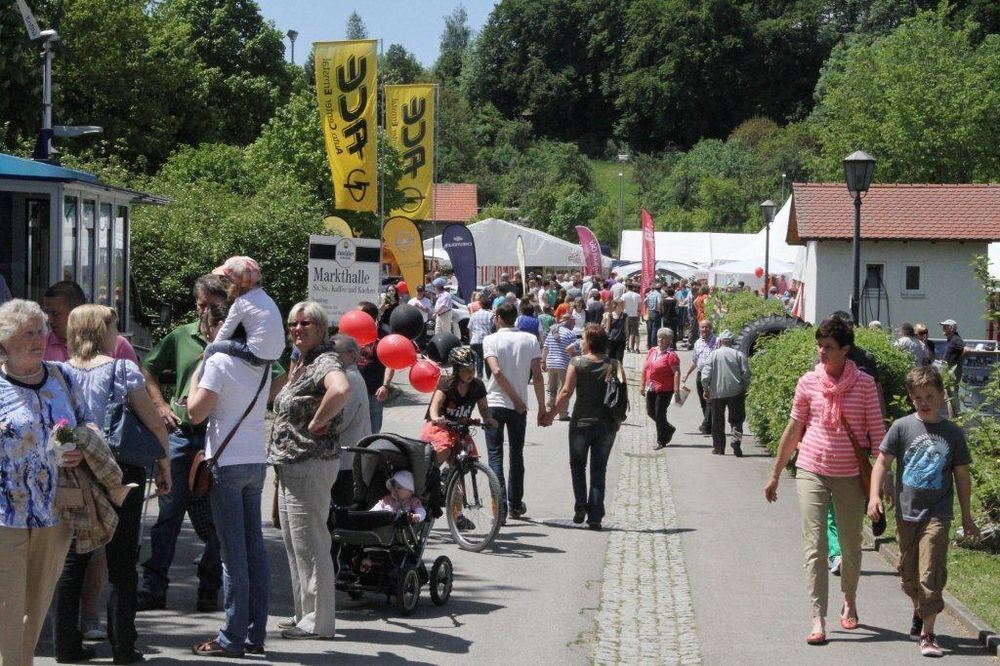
[(859, 454), (57, 369), (246, 412)]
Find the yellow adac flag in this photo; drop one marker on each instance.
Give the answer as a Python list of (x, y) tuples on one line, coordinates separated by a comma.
[(401, 237), (346, 92), (409, 122)]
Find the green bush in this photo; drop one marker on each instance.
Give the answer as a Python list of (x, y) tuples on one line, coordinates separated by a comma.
[(983, 433), (781, 360), (735, 310)]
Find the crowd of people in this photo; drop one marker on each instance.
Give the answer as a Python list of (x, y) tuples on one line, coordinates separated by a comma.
[(71, 510)]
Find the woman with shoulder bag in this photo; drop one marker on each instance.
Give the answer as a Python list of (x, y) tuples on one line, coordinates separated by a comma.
[(91, 337), (661, 376), (231, 396), (590, 430), (834, 404)]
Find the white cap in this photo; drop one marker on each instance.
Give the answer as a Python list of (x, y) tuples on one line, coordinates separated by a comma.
[(949, 322), (403, 479), (726, 335)]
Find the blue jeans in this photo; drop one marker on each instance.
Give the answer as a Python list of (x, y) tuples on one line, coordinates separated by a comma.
[(163, 534), (652, 326), (375, 409), (516, 425), (596, 439), (236, 498), (236, 348)]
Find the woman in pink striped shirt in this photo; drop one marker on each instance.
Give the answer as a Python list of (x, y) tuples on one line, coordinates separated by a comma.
[(830, 401)]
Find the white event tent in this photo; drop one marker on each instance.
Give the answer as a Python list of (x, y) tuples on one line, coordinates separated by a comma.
[(713, 250), (496, 248)]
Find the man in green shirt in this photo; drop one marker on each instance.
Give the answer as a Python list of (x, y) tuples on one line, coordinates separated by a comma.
[(173, 360)]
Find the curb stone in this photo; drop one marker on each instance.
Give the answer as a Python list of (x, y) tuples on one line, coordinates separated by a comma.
[(986, 634)]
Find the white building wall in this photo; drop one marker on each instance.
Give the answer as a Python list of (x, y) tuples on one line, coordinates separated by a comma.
[(949, 289)]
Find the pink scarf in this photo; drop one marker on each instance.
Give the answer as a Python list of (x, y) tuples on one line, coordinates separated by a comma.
[(834, 390)]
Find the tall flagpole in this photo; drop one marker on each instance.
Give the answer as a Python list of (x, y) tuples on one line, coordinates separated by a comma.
[(434, 163), (381, 175)]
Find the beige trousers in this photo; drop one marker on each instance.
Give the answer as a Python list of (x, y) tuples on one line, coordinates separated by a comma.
[(849, 503), (923, 562), (303, 506), (553, 384), (31, 561)]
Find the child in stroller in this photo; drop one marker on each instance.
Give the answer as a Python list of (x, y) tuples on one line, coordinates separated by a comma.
[(381, 551), (400, 497)]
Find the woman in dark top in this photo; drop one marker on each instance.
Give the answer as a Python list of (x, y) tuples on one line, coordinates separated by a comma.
[(614, 328), (590, 430), (670, 310)]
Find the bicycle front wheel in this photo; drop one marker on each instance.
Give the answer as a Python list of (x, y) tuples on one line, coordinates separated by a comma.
[(473, 504)]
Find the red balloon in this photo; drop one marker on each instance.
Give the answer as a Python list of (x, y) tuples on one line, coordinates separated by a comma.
[(359, 325), (424, 376), (402, 288), (396, 351), (759, 272)]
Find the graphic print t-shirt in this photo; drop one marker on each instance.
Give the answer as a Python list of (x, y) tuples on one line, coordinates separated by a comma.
[(457, 407), (926, 454)]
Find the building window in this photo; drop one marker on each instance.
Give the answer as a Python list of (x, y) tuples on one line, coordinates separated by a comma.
[(119, 268), (104, 244), (913, 279), (69, 235), (874, 278), (88, 236)]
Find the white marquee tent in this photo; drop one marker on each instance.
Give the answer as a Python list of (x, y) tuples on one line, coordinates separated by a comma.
[(708, 249)]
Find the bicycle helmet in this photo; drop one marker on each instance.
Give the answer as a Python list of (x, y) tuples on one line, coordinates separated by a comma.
[(462, 357)]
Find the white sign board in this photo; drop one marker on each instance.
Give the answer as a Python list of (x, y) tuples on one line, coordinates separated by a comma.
[(343, 272)]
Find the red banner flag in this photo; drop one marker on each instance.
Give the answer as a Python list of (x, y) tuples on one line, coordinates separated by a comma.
[(648, 252), (591, 251)]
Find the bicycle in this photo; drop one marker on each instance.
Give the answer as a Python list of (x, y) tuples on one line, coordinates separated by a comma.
[(481, 504)]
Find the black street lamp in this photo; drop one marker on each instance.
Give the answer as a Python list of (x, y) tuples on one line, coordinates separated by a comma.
[(859, 167), (767, 208), (292, 36)]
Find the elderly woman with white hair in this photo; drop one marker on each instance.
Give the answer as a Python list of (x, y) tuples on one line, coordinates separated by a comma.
[(661, 377), (35, 397), (305, 450)]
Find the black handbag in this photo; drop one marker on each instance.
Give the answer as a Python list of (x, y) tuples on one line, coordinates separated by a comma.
[(128, 437)]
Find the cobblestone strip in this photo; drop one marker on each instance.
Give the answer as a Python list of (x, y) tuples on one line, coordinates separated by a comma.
[(646, 614)]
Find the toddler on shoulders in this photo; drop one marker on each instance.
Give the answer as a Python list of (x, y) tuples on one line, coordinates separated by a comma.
[(252, 309)]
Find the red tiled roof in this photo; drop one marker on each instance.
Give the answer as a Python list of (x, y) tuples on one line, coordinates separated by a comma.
[(455, 202), (896, 212)]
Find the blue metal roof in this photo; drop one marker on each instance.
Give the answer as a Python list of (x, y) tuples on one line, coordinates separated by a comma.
[(22, 169)]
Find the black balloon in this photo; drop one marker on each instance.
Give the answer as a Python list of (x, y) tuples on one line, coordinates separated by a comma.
[(407, 321), (440, 345)]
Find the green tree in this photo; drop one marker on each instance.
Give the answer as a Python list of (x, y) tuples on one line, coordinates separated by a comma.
[(398, 65), (356, 28), (924, 100), (455, 41), (243, 56)]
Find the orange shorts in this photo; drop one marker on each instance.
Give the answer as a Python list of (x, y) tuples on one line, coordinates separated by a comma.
[(444, 439)]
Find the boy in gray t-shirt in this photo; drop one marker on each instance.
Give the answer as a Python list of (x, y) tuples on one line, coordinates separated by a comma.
[(929, 451)]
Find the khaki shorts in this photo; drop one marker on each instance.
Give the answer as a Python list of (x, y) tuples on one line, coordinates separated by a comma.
[(923, 562), (632, 326)]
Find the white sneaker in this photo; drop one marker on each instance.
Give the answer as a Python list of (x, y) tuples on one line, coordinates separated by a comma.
[(835, 565), (92, 631)]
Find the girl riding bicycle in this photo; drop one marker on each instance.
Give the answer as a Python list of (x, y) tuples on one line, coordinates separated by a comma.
[(452, 402)]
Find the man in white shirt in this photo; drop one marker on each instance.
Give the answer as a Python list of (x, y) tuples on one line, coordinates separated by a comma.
[(422, 303), (631, 299), (442, 307), (514, 359), (618, 288)]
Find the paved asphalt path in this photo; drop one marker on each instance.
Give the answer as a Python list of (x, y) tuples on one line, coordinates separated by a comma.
[(694, 567)]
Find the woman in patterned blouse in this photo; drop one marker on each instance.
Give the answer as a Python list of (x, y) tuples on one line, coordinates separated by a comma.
[(34, 397), (305, 452)]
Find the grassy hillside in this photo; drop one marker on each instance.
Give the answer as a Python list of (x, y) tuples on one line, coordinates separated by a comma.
[(606, 179)]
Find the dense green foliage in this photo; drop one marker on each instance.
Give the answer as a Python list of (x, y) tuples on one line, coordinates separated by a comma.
[(780, 361), (733, 311)]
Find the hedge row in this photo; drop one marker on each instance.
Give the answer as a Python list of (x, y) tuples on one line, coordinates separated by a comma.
[(733, 311), (781, 360)]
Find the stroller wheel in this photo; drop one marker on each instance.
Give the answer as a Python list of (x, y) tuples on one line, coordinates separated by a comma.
[(442, 578), (408, 590)]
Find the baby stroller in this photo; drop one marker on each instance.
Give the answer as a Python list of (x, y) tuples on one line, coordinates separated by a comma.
[(381, 551)]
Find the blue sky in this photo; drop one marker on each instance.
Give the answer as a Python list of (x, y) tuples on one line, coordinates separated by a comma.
[(416, 24)]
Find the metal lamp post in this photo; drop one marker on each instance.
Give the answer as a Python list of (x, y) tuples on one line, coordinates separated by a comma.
[(622, 158), (767, 208), (292, 36), (859, 167)]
